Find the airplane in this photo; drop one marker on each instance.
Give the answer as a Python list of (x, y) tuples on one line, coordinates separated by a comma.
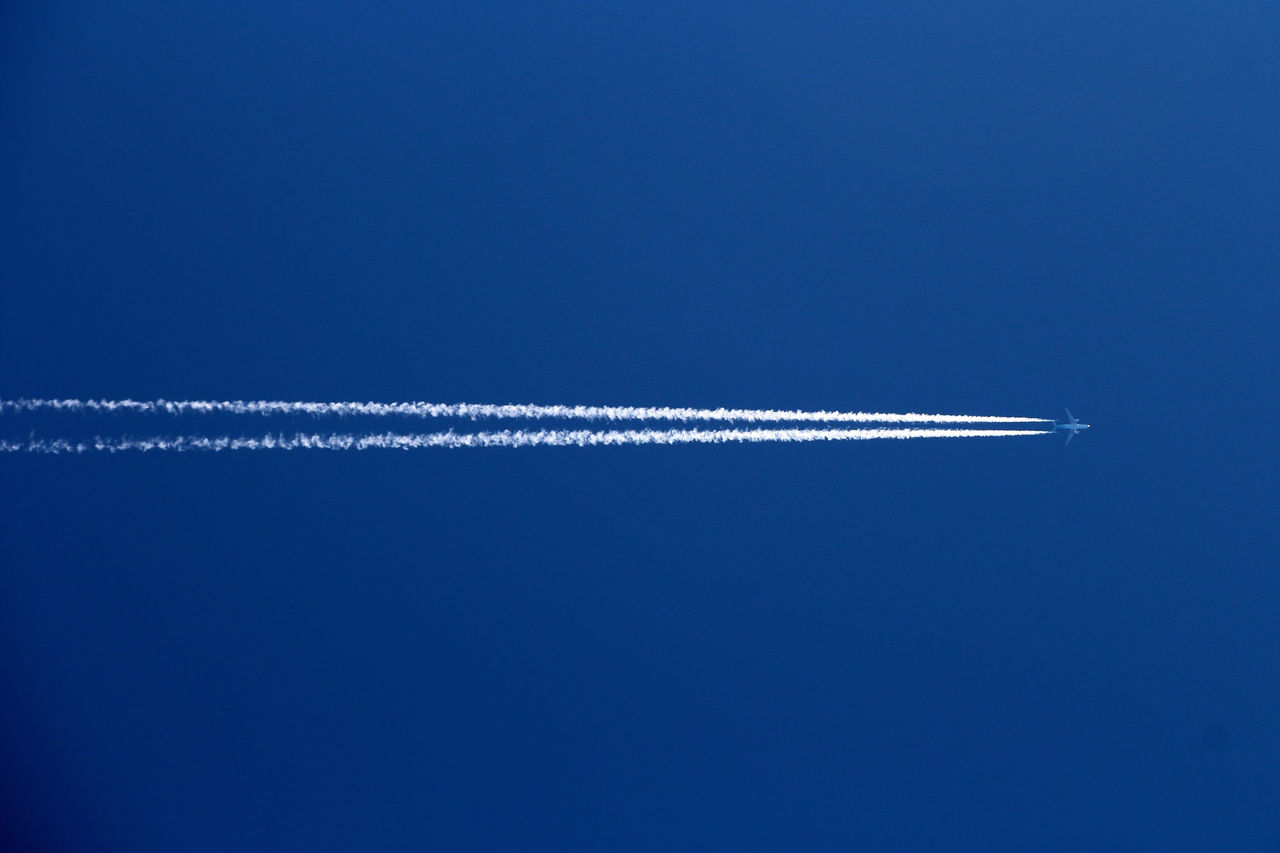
[(1075, 426)]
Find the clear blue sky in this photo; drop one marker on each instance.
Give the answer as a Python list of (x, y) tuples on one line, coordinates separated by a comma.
[(945, 645)]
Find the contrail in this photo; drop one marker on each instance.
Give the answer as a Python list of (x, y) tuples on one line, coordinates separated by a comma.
[(486, 410), (505, 438)]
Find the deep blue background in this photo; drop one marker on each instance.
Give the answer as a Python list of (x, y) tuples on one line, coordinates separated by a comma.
[(980, 207)]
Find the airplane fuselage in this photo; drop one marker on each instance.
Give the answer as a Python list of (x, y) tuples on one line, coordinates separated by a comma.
[(1074, 426)]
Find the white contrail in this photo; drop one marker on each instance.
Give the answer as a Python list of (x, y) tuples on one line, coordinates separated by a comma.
[(486, 410), (505, 438)]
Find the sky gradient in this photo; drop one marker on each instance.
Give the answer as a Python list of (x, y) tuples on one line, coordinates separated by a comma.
[(920, 645)]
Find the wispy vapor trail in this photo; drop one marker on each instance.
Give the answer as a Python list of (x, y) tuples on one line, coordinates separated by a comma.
[(486, 410), (505, 438)]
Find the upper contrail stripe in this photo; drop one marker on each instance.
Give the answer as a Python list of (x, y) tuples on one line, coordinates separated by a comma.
[(505, 438), (486, 410)]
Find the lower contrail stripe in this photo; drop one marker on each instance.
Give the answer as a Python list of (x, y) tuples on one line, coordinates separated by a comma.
[(485, 410), (506, 438)]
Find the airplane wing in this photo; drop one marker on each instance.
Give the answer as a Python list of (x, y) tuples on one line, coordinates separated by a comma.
[(1070, 416), (1070, 435)]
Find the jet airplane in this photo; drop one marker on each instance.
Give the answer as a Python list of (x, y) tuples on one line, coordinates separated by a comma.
[(1074, 426)]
